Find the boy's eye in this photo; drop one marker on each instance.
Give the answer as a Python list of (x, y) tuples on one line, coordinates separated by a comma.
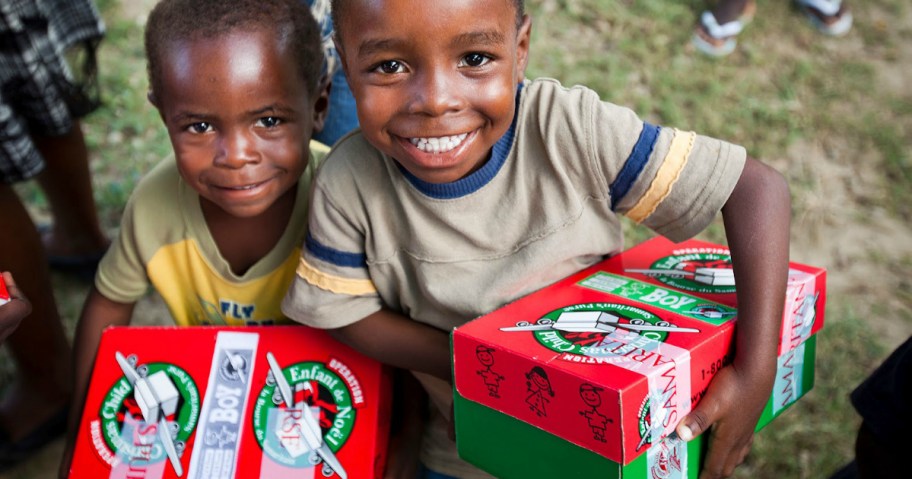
[(474, 60), (390, 67), (269, 122), (200, 127)]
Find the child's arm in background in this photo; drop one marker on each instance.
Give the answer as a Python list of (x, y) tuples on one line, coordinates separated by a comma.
[(98, 313), (757, 218), (13, 312)]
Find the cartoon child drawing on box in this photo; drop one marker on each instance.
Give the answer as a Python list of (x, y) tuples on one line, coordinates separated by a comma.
[(598, 422), (491, 379), (537, 384)]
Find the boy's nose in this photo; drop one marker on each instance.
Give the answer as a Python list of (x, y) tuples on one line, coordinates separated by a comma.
[(436, 93), (236, 149)]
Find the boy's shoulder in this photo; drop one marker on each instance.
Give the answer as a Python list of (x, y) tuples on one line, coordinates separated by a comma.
[(154, 214), (352, 158), (547, 96), (159, 187)]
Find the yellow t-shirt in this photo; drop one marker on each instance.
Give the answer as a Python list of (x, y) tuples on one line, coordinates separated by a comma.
[(164, 242)]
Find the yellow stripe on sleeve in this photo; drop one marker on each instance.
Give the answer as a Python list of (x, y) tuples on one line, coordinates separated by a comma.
[(335, 284), (666, 177)]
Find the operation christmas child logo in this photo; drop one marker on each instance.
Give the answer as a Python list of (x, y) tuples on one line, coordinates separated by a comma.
[(146, 417), (306, 412), (699, 270), (599, 332)]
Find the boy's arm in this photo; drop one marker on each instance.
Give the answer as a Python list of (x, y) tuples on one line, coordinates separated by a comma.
[(756, 217), (395, 339), (98, 313)]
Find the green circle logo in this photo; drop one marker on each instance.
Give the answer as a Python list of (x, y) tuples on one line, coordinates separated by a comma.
[(701, 272), (122, 429), (582, 330), (318, 391)]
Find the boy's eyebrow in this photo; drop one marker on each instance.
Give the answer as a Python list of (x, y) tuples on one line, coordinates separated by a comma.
[(370, 46), (182, 116), (274, 108), (484, 37), (194, 116)]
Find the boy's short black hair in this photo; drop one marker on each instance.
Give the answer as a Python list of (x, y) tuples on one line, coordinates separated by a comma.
[(291, 20), (338, 12)]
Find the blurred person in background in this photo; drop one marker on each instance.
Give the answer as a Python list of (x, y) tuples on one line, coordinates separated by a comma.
[(882, 400), (718, 28), (47, 82), (342, 116)]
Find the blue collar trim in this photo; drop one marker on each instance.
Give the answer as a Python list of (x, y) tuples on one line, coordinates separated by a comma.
[(479, 178)]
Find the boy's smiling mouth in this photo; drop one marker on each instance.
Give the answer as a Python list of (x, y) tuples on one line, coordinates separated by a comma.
[(440, 144), (240, 189)]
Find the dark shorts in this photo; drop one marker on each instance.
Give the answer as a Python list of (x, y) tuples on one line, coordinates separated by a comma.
[(884, 399), (47, 76)]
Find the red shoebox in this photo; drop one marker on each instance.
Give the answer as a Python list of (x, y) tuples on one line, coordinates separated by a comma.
[(604, 361), (214, 391), (704, 269), (4, 294)]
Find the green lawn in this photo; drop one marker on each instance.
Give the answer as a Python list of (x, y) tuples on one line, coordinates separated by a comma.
[(833, 115)]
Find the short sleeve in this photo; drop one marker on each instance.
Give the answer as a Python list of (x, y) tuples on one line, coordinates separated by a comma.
[(332, 287), (674, 182), (121, 275)]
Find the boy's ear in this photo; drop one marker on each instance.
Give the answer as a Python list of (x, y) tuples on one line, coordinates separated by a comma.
[(321, 104), (523, 40), (156, 102)]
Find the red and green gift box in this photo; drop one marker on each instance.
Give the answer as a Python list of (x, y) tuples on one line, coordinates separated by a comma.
[(596, 370)]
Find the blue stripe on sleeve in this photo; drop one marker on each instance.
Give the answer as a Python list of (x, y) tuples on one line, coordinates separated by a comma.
[(634, 164), (334, 256)]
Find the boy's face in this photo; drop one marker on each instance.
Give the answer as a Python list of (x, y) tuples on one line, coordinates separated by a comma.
[(434, 80), (240, 118)]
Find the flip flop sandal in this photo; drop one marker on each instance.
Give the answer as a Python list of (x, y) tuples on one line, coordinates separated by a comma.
[(12, 453), (724, 34), (828, 9)]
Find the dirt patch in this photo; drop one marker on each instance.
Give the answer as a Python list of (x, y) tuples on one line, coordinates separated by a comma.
[(840, 226)]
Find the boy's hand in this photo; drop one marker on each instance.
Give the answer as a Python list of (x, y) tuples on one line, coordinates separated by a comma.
[(732, 405), (12, 313)]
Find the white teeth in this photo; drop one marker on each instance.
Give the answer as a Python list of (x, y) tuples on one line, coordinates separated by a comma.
[(438, 145)]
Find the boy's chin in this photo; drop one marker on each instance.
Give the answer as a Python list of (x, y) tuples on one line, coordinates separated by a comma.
[(238, 210)]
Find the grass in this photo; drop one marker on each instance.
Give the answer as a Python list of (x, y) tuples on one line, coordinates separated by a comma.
[(785, 92)]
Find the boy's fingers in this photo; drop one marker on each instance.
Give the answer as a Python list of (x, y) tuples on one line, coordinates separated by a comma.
[(721, 460), (14, 291), (23, 307), (699, 420)]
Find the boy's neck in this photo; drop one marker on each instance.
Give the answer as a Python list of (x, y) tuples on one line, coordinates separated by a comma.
[(245, 241)]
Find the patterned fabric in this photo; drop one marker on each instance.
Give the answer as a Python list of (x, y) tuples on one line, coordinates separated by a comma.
[(343, 115), (321, 12), (39, 91)]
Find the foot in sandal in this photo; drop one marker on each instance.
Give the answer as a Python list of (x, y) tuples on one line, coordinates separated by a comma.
[(831, 17), (716, 33)]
